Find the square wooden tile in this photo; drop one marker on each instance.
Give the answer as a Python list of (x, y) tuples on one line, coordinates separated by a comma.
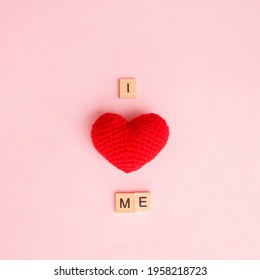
[(127, 88), (124, 202), (142, 201)]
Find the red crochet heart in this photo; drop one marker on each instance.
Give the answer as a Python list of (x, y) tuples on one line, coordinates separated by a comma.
[(129, 145)]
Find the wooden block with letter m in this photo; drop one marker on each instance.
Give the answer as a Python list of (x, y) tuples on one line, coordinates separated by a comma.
[(125, 202)]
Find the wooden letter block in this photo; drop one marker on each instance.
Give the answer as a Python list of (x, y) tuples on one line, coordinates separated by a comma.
[(127, 88), (142, 201), (124, 202)]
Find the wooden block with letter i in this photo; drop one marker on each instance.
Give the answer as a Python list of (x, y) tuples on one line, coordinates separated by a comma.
[(142, 201), (125, 202), (127, 88)]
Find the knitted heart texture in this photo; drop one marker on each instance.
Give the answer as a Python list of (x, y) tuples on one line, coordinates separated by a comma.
[(129, 145)]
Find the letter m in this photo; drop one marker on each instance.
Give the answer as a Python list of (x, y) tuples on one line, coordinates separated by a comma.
[(125, 204)]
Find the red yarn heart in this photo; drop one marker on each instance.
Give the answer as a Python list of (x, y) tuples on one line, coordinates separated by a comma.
[(129, 145)]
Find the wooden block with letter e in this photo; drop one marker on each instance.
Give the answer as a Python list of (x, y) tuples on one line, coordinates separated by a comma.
[(142, 201)]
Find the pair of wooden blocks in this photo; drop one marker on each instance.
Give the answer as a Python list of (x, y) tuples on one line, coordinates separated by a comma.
[(133, 202), (127, 88)]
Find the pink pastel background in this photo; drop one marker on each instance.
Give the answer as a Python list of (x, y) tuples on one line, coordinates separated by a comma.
[(197, 64)]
